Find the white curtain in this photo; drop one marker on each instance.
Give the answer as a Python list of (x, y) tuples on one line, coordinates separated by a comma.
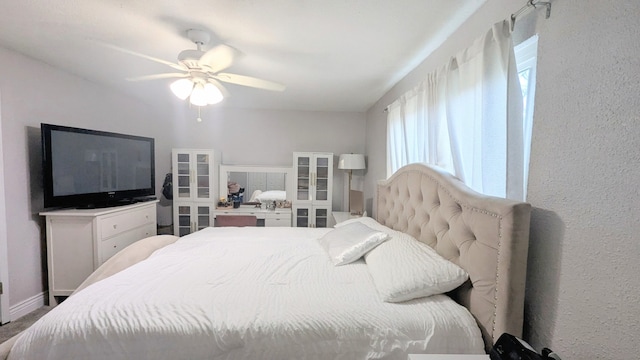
[(466, 117)]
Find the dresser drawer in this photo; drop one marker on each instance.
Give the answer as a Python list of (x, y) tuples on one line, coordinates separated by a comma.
[(117, 224), (259, 214), (277, 222), (111, 246), (278, 214), (273, 220)]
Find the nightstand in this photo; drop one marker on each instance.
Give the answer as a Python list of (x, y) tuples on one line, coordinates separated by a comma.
[(447, 357)]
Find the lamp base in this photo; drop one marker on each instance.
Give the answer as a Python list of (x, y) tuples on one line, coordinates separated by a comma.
[(356, 203)]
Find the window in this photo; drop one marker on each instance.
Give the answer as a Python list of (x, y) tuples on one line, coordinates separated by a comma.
[(472, 116), (526, 59)]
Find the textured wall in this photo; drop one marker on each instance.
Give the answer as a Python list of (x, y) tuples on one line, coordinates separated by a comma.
[(583, 271), (584, 281)]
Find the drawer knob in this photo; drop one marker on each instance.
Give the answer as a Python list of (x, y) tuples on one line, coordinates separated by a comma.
[(115, 226)]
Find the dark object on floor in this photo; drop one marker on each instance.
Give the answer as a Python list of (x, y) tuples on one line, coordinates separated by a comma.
[(509, 347)]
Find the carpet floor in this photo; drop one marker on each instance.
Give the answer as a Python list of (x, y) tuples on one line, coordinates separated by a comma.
[(8, 330)]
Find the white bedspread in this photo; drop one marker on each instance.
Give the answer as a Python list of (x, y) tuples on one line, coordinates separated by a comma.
[(245, 293)]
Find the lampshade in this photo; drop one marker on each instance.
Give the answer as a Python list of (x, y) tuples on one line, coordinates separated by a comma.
[(198, 96), (212, 94), (351, 162), (181, 88)]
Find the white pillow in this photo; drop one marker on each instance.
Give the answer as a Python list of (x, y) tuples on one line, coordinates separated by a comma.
[(348, 243), (370, 222), (255, 195), (404, 268), (272, 195)]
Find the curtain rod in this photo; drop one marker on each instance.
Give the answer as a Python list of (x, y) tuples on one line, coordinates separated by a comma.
[(530, 4)]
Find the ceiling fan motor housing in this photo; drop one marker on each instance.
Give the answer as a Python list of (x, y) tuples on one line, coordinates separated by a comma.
[(190, 58)]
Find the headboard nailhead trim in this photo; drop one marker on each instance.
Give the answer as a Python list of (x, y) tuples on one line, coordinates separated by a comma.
[(482, 211), (495, 304)]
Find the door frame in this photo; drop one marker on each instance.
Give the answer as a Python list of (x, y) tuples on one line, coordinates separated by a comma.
[(4, 266)]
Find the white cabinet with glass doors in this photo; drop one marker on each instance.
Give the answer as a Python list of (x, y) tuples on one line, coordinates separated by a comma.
[(195, 174), (311, 216), (190, 217), (313, 189)]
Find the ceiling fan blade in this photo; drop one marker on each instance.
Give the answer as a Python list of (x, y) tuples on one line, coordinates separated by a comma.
[(131, 52), (218, 58), (158, 76), (249, 81)]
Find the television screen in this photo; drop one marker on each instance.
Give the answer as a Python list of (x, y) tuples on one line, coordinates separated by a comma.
[(89, 168)]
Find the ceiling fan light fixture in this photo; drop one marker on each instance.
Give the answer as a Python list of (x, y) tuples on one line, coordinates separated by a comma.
[(199, 68), (212, 94), (198, 96), (182, 88)]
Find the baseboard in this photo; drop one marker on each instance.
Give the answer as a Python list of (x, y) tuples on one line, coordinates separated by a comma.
[(25, 307)]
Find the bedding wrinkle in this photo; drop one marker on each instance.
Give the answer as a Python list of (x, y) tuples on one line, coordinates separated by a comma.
[(263, 293)]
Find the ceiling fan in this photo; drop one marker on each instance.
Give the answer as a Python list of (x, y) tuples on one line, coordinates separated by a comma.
[(199, 77)]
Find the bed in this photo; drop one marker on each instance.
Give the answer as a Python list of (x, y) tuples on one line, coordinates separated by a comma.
[(242, 293)]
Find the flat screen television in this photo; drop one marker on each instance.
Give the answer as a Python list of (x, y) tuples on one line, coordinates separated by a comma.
[(87, 168)]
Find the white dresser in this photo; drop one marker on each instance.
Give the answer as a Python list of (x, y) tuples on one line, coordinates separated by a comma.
[(80, 240)]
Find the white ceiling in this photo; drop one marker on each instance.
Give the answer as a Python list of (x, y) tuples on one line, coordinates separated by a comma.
[(333, 55)]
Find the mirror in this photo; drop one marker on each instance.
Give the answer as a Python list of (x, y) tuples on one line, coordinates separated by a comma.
[(260, 183)]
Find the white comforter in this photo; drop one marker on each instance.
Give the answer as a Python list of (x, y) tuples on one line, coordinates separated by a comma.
[(245, 293)]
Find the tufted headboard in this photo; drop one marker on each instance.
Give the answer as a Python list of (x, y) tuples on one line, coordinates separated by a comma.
[(487, 236)]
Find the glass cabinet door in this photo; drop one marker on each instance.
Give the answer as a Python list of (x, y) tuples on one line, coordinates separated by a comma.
[(309, 216), (302, 217), (195, 175), (204, 217), (303, 178), (314, 183), (192, 217), (183, 223), (321, 179), (184, 175), (321, 217), (203, 176)]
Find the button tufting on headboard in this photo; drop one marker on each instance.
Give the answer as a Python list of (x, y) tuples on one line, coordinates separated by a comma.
[(486, 236)]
